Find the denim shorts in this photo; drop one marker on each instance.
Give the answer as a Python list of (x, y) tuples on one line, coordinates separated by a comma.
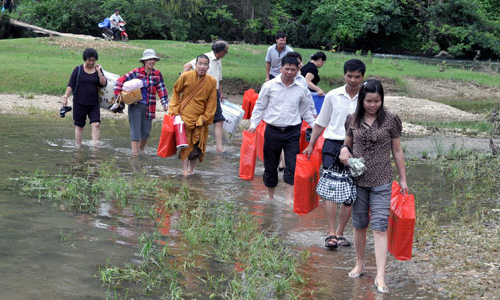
[(377, 201)]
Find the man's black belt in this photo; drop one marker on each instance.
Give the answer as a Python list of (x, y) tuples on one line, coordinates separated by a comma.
[(284, 129)]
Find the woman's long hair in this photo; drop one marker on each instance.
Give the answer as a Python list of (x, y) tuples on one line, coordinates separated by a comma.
[(370, 86)]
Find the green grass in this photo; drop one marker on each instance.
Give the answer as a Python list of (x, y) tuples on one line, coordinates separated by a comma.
[(469, 126), (33, 65), (473, 106)]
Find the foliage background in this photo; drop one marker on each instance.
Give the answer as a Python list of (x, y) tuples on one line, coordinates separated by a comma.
[(424, 27)]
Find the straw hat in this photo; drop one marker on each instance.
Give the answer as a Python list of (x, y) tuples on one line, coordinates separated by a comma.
[(149, 54)]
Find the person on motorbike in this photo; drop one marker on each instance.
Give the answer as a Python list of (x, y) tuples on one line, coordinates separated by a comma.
[(114, 20)]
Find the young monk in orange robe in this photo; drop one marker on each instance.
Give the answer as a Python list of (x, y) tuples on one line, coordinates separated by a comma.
[(195, 100)]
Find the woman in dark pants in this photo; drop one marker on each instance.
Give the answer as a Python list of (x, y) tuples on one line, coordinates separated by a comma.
[(142, 113), (84, 84), (373, 133)]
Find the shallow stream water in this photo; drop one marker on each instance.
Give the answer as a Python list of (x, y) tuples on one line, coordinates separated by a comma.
[(36, 264)]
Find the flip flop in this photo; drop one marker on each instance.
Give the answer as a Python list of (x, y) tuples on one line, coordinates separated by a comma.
[(331, 242), (380, 289)]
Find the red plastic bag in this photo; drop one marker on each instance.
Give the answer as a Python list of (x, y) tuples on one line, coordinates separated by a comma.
[(305, 199), (247, 156), (247, 103), (259, 139), (167, 147), (255, 96), (318, 147), (316, 164), (401, 224), (302, 141)]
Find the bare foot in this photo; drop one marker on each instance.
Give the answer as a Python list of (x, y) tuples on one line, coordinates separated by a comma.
[(220, 149)]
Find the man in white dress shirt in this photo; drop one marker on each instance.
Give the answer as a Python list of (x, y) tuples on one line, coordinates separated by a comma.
[(281, 104), (302, 80), (338, 104)]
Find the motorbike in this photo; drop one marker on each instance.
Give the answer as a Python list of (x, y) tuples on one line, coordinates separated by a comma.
[(107, 33)]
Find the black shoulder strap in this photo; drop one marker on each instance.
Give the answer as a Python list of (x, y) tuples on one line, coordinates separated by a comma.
[(77, 80)]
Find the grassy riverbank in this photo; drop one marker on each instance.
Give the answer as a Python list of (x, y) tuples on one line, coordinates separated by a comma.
[(457, 229), (43, 65)]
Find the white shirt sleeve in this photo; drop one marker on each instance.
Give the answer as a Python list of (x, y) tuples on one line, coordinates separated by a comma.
[(326, 112), (260, 106), (305, 109), (312, 107), (193, 63), (220, 73)]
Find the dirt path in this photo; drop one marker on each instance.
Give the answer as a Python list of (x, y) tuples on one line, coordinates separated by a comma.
[(41, 30)]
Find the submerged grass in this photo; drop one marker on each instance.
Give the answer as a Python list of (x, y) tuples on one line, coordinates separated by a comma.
[(252, 263), (220, 247), (83, 191), (459, 244)]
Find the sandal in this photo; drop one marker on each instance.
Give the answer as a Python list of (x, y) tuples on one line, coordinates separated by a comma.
[(381, 289), (342, 241), (331, 242)]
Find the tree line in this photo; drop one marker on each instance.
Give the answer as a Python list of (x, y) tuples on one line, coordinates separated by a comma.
[(422, 27)]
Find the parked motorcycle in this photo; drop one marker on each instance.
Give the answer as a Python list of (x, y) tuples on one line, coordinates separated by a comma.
[(107, 33)]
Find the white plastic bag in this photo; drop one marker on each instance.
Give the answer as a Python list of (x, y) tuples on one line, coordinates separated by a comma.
[(132, 84)]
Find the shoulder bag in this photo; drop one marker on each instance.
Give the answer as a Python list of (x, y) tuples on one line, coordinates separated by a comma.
[(336, 185)]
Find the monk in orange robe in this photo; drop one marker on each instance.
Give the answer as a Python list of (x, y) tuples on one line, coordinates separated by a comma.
[(195, 100)]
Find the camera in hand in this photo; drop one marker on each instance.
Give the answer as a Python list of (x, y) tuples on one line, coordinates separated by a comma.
[(308, 134), (64, 110)]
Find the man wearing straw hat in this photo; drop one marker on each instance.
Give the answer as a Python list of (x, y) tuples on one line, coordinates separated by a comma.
[(195, 100)]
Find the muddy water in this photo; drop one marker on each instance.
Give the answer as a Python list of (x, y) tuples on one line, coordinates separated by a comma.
[(35, 263)]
